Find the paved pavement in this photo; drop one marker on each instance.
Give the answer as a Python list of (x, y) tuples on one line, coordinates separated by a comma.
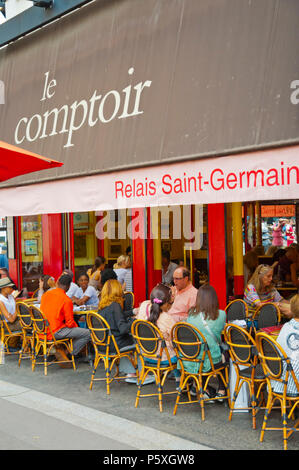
[(76, 418)]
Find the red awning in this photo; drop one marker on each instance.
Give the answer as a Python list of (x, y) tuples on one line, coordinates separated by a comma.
[(15, 161)]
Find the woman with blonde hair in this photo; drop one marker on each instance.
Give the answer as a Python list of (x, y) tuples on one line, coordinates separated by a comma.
[(121, 267), (260, 290), (111, 308)]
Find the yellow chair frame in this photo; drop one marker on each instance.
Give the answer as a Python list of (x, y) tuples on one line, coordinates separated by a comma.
[(285, 400), (198, 344), (102, 337), (245, 354), (26, 323), (41, 330), (151, 347), (6, 334)]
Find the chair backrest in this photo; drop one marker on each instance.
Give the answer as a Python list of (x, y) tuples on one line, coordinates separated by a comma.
[(34, 294), (40, 323), (190, 345), (148, 338), (275, 362), (4, 326), (187, 340), (267, 315), (101, 332), (236, 310), (24, 315), (242, 347), (128, 300)]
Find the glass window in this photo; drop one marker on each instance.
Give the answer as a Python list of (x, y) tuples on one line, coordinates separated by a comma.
[(32, 251)]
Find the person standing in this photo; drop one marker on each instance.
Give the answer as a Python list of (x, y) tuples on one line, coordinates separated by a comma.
[(277, 233), (168, 268)]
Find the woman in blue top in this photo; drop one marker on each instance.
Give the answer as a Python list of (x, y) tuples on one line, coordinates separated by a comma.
[(210, 321)]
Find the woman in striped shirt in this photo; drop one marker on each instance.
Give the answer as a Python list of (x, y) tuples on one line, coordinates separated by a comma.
[(260, 290)]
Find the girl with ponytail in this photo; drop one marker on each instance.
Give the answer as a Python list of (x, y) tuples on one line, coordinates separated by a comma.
[(155, 311)]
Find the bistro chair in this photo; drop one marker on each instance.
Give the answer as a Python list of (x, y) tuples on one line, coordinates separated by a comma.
[(150, 346), (25, 319), (129, 300), (244, 357), (280, 375), (6, 334), (107, 350), (34, 294), (45, 342), (191, 347), (236, 310), (266, 315)]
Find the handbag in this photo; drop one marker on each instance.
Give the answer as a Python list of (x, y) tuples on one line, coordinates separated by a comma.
[(223, 346)]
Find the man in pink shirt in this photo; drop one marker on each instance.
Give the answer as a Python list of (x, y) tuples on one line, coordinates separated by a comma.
[(184, 294)]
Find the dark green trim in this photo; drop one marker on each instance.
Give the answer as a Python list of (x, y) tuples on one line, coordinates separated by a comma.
[(34, 18)]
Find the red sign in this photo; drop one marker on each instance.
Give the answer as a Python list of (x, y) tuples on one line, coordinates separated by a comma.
[(278, 211)]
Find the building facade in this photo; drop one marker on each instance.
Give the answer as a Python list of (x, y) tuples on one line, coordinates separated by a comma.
[(167, 114)]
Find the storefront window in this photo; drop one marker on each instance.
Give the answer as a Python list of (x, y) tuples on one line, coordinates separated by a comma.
[(32, 251), (85, 245)]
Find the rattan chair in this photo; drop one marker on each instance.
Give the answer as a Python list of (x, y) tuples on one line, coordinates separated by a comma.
[(6, 334), (25, 319), (266, 315), (107, 350), (279, 371), (129, 300), (150, 346), (236, 310), (244, 356), (42, 343), (191, 347)]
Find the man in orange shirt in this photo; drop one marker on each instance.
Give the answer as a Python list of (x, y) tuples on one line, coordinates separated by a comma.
[(58, 309)]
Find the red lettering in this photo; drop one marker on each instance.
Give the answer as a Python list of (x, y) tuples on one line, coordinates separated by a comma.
[(167, 184), (231, 181), (128, 190), (119, 186), (219, 180)]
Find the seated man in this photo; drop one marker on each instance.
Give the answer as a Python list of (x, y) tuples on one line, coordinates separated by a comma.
[(184, 294), (58, 309)]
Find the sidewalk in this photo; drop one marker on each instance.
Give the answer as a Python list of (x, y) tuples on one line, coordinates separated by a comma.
[(65, 394)]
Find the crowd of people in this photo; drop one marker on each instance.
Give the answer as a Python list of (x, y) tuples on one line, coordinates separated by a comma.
[(176, 300)]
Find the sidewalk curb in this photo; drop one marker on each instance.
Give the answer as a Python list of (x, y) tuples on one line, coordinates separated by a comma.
[(128, 432)]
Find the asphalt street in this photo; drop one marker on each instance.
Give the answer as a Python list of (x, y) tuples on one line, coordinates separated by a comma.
[(58, 411)]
